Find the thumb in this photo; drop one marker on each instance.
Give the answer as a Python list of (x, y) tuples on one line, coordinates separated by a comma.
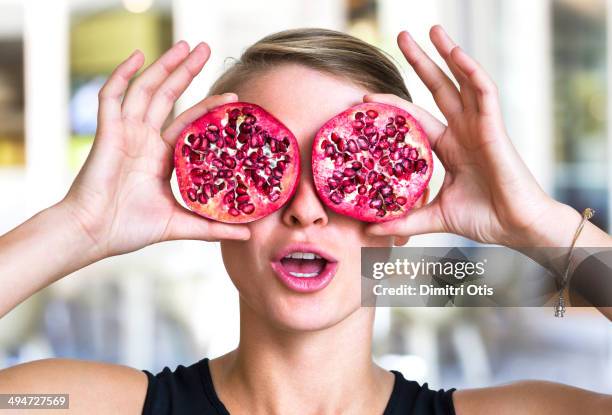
[(188, 225), (426, 219)]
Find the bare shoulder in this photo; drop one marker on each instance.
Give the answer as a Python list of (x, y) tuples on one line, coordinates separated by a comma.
[(531, 397), (93, 387)]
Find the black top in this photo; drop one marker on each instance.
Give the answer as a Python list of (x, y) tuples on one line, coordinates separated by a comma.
[(190, 390)]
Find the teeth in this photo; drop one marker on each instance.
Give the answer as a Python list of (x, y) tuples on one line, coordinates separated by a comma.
[(303, 255), (304, 274)]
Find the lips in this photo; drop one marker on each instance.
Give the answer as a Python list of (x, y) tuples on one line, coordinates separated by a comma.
[(304, 268)]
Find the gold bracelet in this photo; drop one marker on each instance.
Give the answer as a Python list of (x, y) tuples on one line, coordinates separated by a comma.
[(587, 214)]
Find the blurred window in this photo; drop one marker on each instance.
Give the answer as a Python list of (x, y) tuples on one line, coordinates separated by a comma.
[(12, 152), (580, 91), (100, 38)]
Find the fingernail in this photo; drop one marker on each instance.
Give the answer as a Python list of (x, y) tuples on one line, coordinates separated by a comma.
[(181, 43), (230, 95)]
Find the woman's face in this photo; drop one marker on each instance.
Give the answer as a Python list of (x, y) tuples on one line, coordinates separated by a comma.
[(301, 294)]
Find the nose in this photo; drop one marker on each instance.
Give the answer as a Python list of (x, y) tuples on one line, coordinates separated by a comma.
[(305, 209)]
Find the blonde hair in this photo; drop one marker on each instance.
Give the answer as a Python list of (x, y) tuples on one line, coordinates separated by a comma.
[(329, 51)]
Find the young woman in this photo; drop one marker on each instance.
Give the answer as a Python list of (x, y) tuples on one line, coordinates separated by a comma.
[(298, 353)]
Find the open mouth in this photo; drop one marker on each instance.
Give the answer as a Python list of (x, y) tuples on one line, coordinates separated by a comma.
[(304, 269), (303, 264)]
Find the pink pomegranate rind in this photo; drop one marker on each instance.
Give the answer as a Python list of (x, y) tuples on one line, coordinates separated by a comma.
[(236, 164), (371, 162)]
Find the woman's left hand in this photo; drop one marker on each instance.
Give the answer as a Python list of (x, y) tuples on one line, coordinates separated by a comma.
[(488, 193)]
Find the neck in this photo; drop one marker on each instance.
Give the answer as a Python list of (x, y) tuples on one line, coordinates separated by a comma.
[(276, 370)]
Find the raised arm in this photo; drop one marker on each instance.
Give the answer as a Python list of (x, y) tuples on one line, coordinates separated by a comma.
[(121, 200), (488, 194)]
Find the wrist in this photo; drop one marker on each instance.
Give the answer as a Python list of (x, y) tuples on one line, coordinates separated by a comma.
[(77, 231), (553, 226)]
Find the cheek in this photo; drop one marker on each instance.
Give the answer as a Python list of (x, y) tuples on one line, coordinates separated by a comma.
[(353, 233), (249, 259)]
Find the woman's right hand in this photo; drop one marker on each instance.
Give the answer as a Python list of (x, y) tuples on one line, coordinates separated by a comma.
[(121, 199)]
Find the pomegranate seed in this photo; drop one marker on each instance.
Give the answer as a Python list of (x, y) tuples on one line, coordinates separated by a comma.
[(376, 203), (336, 198), (358, 115), (356, 165), (192, 195), (372, 113), (398, 170), (368, 163), (400, 120), (362, 190), (369, 131), (349, 172), (243, 198), (332, 183), (233, 211), (372, 176), (353, 147), (362, 142), (349, 189), (202, 198), (421, 166), (335, 138), (358, 125)]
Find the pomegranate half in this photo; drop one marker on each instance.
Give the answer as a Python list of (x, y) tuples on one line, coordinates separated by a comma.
[(236, 164), (371, 162)]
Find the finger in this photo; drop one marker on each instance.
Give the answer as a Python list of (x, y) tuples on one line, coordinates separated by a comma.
[(444, 45), (486, 90), (445, 93), (432, 126), (182, 121), (142, 89), (401, 240), (173, 87), (113, 89), (188, 225), (417, 222)]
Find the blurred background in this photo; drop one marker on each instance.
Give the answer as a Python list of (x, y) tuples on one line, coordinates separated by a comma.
[(173, 303)]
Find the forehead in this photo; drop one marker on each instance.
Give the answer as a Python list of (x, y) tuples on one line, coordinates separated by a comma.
[(301, 97)]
